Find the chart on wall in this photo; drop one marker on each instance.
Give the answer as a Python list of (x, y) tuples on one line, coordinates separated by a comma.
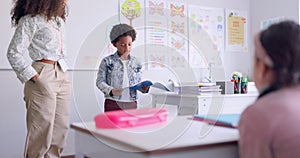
[(206, 34), (166, 34), (156, 22), (236, 31), (178, 34)]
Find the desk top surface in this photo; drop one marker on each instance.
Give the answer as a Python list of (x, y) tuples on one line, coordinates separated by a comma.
[(203, 95), (177, 132)]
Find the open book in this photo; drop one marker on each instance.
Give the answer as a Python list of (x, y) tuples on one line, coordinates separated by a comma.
[(149, 83), (225, 120)]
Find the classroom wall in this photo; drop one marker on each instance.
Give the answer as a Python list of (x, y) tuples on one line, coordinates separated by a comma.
[(84, 17), (266, 9), (86, 99)]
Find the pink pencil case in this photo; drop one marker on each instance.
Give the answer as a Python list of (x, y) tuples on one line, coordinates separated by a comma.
[(130, 118)]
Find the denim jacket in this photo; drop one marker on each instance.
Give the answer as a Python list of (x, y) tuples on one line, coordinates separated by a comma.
[(110, 75)]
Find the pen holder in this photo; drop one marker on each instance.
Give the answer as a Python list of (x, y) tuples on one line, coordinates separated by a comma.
[(244, 85), (236, 79), (237, 86)]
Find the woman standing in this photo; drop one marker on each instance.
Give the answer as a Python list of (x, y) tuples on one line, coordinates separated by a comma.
[(40, 33)]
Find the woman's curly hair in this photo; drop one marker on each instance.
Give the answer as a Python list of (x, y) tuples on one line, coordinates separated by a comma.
[(49, 8)]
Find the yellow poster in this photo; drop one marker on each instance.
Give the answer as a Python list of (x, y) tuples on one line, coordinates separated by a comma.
[(236, 32)]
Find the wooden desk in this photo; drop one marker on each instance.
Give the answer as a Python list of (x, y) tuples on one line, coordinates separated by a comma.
[(180, 137), (202, 104)]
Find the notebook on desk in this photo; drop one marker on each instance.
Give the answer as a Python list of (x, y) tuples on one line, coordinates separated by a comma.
[(225, 120)]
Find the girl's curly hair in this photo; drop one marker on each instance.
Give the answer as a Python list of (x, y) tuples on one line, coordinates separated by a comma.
[(122, 30), (49, 8)]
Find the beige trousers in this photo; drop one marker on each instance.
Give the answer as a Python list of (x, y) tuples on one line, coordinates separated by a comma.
[(48, 111)]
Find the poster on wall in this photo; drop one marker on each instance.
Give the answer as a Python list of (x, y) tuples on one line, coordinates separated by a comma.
[(206, 31), (166, 34), (236, 31), (178, 34), (132, 12), (156, 33), (156, 22), (270, 21)]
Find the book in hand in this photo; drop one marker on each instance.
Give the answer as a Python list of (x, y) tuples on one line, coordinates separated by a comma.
[(149, 83), (225, 120)]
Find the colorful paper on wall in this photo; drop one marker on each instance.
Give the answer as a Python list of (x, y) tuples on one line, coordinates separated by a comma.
[(267, 22), (236, 32), (206, 34), (178, 27)]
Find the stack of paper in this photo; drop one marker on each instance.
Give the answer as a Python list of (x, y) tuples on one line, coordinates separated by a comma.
[(214, 89), (200, 89)]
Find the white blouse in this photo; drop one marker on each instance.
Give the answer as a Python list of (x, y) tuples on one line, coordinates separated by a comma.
[(125, 97), (41, 39)]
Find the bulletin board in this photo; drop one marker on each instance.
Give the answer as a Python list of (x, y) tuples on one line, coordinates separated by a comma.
[(172, 31)]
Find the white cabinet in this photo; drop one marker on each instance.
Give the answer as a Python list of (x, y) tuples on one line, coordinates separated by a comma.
[(203, 104)]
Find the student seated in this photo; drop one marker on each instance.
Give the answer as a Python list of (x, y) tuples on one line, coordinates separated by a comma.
[(270, 127)]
